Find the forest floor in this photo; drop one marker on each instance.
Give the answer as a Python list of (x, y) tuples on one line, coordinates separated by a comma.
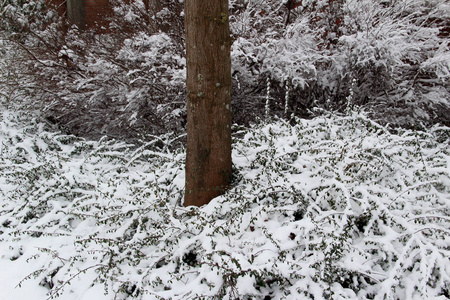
[(336, 207)]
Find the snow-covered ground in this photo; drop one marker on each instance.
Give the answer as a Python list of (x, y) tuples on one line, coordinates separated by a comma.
[(335, 207)]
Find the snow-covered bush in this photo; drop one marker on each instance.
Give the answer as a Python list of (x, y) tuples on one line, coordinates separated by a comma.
[(333, 207), (399, 59), (130, 87), (129, 81), (397, 51)]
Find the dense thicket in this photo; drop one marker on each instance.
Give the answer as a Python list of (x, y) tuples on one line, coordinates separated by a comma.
[(391, 58), (329, 208)]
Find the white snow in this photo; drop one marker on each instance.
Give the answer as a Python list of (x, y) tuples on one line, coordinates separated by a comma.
[(332, 207)]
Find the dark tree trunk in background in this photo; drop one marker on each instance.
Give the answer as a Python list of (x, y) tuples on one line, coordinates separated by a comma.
[(208, 158), (76, 13)]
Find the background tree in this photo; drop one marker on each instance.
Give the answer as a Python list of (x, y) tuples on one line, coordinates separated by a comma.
[(76, 12), (208, 157)]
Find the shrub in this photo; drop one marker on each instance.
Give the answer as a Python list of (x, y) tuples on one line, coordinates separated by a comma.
[(130, 81), (331, 207)]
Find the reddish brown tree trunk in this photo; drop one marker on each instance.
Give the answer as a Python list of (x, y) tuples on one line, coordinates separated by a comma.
[(208, 42)]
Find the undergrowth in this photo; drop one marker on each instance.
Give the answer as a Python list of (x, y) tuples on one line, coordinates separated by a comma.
[(336, 207)]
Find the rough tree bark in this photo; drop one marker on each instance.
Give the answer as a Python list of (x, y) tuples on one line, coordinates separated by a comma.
[(208, 42)]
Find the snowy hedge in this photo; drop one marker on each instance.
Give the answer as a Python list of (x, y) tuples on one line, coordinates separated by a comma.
[(394, 55), (330, 208)]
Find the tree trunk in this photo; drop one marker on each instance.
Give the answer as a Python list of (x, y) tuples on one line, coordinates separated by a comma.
[(76, 13), (208, 157)]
